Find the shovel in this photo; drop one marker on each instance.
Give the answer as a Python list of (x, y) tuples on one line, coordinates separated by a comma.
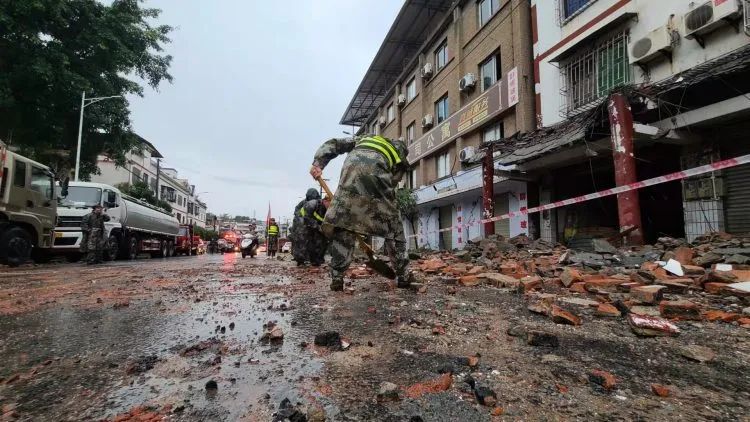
[(377, 264)]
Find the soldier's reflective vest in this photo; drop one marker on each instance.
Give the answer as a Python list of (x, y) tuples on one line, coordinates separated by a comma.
[(383, 146), (273, 230), (317, 216)]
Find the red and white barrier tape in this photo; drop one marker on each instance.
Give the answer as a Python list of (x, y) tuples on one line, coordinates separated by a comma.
[(679, 175)]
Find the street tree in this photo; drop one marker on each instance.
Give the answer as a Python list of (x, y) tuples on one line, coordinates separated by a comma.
[(53, 50), (406, 202), (141, 190)]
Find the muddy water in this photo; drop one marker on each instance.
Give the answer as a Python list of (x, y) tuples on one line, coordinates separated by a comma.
[(93, 362)]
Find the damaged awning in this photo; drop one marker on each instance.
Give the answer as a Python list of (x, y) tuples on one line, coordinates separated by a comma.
[(727, 73)]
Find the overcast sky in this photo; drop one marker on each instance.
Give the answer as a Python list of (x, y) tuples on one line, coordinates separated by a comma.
[(258, 86)]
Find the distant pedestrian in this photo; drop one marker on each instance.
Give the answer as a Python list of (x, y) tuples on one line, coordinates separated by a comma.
[(272, 234), (92, 226)]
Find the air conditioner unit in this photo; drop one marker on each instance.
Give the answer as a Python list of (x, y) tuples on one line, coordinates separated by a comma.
[(709, 16), (427, 71), (467, 154), (467, 83), (401, 100), (427, 120), (381, 121), (651, 46)]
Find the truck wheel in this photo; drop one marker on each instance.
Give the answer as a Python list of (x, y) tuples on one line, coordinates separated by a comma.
[(133, 248), (113, 248), (164, 249), (171, 249), (15, 247)]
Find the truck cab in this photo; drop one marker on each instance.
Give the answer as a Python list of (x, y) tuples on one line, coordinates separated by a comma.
[(27, 207), (80, 198)]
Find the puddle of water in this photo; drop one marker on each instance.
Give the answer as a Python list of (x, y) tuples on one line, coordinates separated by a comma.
[(103, 341)]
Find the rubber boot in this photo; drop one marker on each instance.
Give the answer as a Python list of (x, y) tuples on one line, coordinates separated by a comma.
[(404, 281), (337, 285)]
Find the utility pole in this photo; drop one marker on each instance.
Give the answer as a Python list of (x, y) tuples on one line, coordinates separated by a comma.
[(158, 174), (84, 103)]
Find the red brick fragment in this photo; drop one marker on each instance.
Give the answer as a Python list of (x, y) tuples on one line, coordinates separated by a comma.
[(607, 310), (604, 379), (715, 315), (647, 294), (660, 390), (680, 309), (714, 288), (561, 316), (469, 280), (442, 383)]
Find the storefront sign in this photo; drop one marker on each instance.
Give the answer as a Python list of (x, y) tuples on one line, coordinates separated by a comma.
[(498, 98)]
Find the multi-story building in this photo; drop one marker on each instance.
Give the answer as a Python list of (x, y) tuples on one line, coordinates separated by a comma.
[(632, 89), (144, 164), (449, 76)]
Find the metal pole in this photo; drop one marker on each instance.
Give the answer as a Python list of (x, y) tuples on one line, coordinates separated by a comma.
[(80, 131)]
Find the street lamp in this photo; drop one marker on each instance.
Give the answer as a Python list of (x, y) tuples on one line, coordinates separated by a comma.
[(86, 102)]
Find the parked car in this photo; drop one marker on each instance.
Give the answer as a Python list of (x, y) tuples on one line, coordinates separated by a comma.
[(287, 247)]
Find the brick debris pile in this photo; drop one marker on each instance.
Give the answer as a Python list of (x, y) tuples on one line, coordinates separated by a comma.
[(651, 286)]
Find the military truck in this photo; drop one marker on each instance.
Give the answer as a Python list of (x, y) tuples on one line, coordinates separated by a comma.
[(27, 208)]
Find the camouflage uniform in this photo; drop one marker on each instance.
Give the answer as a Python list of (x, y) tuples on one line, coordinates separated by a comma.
[(365, 202), (92, 226), (305, 229)]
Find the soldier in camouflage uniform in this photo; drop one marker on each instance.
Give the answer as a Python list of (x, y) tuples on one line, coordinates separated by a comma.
[(365, 202), (308, 242), (92, 226)]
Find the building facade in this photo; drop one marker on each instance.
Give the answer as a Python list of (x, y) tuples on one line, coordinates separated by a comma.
[(145, 165), (627, 90), (449, 76)]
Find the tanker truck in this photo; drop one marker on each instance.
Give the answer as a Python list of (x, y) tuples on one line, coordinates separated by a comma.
[(134, 227)]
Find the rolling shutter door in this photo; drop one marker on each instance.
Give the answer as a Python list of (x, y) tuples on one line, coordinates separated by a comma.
[(735, 141), (737, 202)]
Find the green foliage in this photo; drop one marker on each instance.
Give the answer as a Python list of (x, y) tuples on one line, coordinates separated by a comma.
[(406, 202), (205, 234), (241, 218), (141, 190), (53, 50)]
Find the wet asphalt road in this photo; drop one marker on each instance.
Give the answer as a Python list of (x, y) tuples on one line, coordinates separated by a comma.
[(91, 343), (140, 341)]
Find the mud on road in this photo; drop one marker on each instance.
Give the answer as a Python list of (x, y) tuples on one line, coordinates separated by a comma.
[(184, 340)]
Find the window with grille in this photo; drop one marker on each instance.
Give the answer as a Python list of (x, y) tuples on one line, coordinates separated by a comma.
[(591, 75)]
